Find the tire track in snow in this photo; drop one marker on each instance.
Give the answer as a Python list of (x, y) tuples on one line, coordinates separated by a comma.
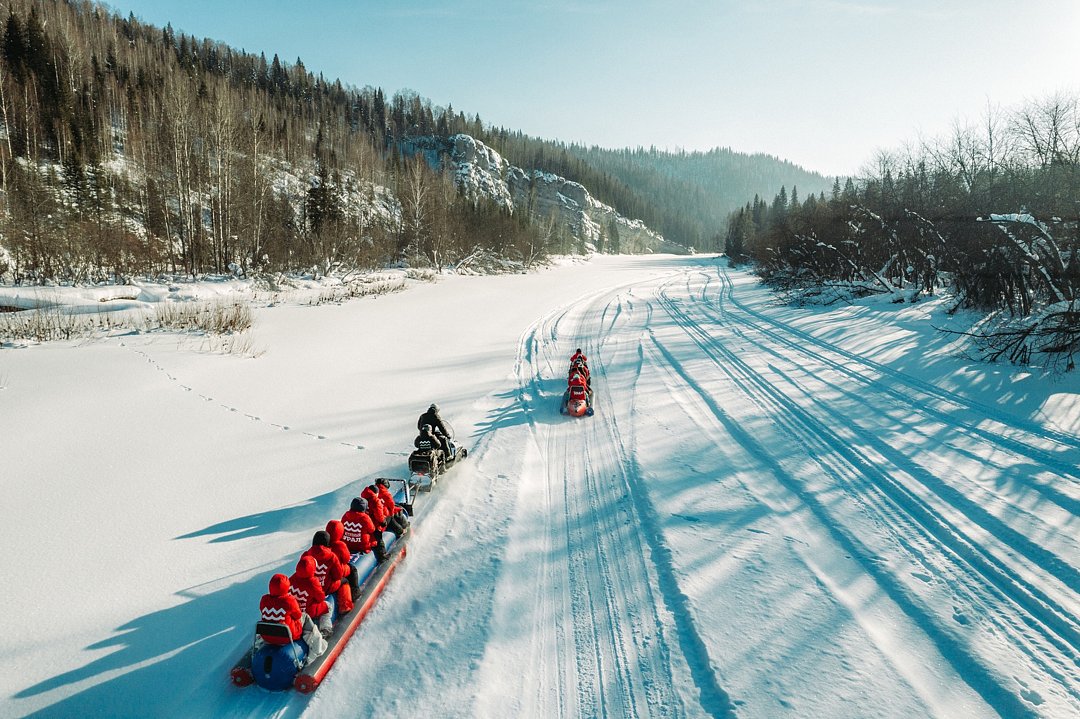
[(598, 649), (550, 679), (1000, 445), (986, 685), (1014, 542), (635, 505)]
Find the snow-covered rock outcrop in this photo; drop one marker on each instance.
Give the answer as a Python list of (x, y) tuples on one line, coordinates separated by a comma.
[(482, 172)]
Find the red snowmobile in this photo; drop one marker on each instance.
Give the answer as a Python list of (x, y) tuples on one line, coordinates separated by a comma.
[(577, 400)]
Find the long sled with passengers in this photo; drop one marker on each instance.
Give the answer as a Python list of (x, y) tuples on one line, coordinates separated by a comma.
[(277, 667)]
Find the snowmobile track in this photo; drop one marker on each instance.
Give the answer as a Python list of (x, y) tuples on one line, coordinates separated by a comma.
[(1040, 624), (614, 553)]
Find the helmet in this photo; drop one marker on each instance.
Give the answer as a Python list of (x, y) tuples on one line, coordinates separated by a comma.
[(426, 428), (383, 482), (433, 408), (578, 351), (321, 539), (359, 504)]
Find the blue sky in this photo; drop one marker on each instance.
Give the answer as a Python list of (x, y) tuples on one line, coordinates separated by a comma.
[(823, 83)]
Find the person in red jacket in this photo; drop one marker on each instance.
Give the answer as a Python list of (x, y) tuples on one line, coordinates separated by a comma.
[(578, 355), (582, 369), (377, 512), (336, 530), (397, 520), (359, 529), (327, 565), (578, 380), (309, 593), (280, 606)]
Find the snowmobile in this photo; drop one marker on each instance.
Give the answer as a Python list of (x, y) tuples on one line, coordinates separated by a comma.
[(276, 667), (577, 402), (427, 465)]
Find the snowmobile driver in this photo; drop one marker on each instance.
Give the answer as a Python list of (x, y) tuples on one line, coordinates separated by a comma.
[(440, 427)]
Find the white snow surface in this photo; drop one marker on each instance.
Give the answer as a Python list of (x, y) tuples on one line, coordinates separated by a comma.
[(775, 512)]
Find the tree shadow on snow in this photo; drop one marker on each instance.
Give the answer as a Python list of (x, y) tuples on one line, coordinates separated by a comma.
[(538, 405), (314, 511)]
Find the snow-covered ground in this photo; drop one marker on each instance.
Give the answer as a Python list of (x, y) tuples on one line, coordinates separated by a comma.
[(773, 513)]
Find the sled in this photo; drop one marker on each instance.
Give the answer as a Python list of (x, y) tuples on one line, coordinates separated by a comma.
[(277, 667)]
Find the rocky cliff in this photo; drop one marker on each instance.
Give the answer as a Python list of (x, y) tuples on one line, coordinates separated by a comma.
[(482, 172)]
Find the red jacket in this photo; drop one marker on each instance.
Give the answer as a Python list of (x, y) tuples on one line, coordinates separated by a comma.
[(344, 590), (388, 501), (280, 606), (375, 507), (336, 530), (580, 356), (327, 567), (577, 381), (358, 530), (307, 590)]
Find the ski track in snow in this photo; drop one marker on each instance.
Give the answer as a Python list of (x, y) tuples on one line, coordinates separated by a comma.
[(987, 565)]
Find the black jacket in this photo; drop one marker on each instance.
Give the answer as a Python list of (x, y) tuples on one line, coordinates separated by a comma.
[(436, 422)]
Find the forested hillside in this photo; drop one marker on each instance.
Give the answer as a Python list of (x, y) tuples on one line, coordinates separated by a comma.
[(988, 214), (686, 196), (131, 149), (691, 194)]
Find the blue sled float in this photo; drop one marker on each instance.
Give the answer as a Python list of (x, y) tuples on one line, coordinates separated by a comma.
[(276, 667)]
